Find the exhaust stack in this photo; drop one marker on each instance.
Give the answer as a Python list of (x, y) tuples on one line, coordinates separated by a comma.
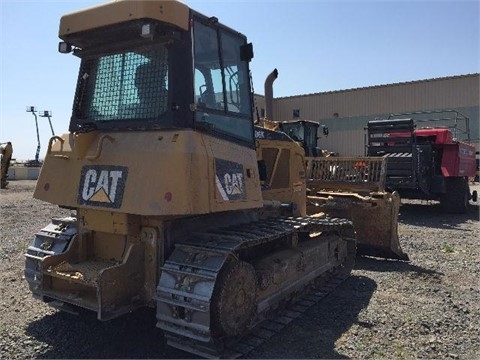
[(269, 94)]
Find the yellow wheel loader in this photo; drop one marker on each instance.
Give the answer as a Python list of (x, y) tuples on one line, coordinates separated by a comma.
[(160, 168)]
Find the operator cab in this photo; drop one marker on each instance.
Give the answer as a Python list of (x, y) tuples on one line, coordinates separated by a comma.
[(305, 133), (153, 73)]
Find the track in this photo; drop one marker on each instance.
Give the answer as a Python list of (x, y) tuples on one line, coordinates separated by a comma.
[(189, 276)]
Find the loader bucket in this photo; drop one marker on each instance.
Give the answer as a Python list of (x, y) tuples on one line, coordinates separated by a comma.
[(353, 188)]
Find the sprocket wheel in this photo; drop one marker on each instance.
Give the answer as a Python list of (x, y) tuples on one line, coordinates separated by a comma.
[(233, 301)]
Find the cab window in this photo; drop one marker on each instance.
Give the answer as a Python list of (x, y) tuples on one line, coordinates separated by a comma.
[(221, 83)]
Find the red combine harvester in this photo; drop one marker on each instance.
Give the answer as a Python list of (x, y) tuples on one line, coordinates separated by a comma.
[(425, 163)]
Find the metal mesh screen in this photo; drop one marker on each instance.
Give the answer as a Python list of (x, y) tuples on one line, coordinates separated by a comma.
[(130, 85), (347, 172)]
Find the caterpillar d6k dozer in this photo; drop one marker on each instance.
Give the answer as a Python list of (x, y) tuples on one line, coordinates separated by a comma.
[(168, 186)]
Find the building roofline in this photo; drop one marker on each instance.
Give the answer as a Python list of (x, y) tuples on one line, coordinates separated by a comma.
[(380, 86)]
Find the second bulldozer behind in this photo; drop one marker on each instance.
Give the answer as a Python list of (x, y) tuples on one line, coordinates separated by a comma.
[(345, 187)]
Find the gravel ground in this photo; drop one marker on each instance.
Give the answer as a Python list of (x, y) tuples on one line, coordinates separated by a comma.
[(428, 308)]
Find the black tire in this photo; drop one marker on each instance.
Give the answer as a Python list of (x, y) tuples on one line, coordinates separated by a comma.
[(455, 200), (234, 299), (474, 196)]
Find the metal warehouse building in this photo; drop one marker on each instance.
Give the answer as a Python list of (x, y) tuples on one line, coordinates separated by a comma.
[(346, 112)]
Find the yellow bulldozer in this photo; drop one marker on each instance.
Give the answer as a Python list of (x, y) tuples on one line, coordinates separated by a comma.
[(344, 187), (177, 205)]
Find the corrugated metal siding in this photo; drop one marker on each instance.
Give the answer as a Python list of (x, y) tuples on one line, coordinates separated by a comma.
[(344, 142), (355, 107), (347, 135), (452, 92), (259, 104)]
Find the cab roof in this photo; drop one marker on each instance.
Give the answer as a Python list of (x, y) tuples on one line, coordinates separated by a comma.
[(120, 11)]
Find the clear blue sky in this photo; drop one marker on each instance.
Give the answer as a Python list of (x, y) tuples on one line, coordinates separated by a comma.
[(316, 46)]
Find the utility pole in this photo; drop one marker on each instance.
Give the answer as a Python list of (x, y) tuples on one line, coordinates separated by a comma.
[(34, 111), (47, 114)]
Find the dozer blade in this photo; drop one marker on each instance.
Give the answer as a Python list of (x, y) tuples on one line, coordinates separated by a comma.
[(374, 220), (353, 188), (376, 226)]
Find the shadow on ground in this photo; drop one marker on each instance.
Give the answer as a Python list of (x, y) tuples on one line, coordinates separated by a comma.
[(385, 265), (315, 334), (312, 335), (132, 336), (430, 214)]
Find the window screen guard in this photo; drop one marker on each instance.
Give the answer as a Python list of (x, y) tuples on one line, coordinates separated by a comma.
[(125, 85)]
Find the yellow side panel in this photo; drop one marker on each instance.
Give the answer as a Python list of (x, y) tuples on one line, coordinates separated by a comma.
[(235, 181), (161, 173), (285, 169), (145, 173)]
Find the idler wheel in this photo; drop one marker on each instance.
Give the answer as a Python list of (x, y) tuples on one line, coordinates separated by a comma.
[(233, 301)]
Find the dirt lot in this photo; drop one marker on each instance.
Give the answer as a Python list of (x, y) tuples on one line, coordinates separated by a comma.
[(428, 308)]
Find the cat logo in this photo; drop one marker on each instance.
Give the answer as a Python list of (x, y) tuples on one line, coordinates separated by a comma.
[(259, 134), (102, 186), (233, 183), (229, 180)]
